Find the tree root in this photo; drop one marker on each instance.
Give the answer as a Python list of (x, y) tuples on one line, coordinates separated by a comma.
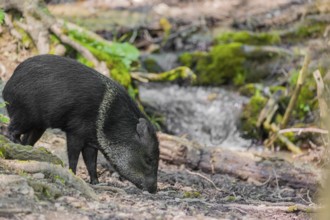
[(38, 23), (100, 66), (55, 171), (182, 72), (9, 150), (275, 207)]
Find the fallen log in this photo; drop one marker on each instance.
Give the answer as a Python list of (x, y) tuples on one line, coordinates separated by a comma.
[(243, 165)]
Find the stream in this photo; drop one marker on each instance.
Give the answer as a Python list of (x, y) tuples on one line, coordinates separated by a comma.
[(206, 115)]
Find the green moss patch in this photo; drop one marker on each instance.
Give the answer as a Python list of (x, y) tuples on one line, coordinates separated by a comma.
[(250, 114), (249, 38), (236, 58)]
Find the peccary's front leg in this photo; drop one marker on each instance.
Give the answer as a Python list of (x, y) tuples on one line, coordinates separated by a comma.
[(90, 158), (74, 147), (31, 137)]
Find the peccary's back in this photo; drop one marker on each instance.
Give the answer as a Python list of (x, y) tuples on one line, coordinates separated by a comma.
[(52, 91)]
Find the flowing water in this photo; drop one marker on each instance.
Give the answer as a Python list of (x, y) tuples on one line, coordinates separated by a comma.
[(207, 115)]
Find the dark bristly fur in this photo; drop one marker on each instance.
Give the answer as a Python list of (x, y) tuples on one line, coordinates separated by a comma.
[(48, 91)]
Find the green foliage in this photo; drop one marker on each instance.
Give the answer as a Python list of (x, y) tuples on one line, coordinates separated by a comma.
[(306, 101), (250, 114), (4, 119), (119, 57), (250, 89), (2, 16), (305, 106), (249, 38), (80, 58), (157, 120)]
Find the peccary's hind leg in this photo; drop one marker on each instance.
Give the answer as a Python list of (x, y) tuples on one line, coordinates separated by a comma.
[(90, 158), (31, 137), (74, 147)]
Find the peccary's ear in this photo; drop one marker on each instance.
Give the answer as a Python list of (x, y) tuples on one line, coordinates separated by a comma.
[(142, 129)]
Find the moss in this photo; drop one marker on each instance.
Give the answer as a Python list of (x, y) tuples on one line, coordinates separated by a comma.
[(44, 191), (59, 179), (2, 16), (223, 64), (308, 29), (306, 101), (245, 37), (236, 58), (274, 89), (250, 114), (84, 61), (152, 66), (192, 194), (250, 89), (166, 26), (26, 39), (230, 198), (54, 41), (19, 152), (191, 59), (181, 72)]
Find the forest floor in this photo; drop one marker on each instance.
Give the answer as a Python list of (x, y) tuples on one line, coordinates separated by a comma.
[(182, 194)]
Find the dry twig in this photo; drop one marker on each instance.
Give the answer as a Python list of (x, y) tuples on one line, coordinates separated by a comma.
[(296, 92), (204, 177), (303, 130)]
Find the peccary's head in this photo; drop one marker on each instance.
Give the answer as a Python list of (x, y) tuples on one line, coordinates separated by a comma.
[(134, 153), (137, 160), (127, 139)]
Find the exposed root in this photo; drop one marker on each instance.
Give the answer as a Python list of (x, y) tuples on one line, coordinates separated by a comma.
[(303, 130), (52, 170), (109, 188), (9, 150), (38, 23), (275, 207), (204, 177), (182, 72)]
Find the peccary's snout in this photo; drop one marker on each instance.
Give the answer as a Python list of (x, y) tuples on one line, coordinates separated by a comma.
[(150, 185)]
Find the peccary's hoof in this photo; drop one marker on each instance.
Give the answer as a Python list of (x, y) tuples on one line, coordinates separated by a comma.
[(94, 181)]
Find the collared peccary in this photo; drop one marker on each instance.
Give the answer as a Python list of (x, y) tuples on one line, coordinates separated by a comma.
[(49, 91)]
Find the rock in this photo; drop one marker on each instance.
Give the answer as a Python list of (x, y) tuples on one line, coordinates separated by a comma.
[(38, 176)]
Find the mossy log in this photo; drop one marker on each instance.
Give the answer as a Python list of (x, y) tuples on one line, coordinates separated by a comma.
[(182, 72), (9, 150), (239, 164), (27, 159), (51, 170)]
